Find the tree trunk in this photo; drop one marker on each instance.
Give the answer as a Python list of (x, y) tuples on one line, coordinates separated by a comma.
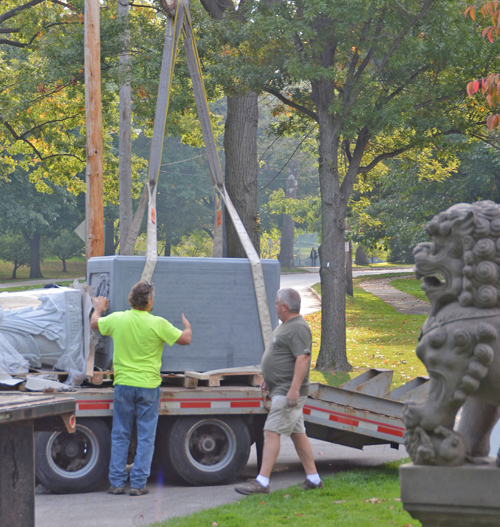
[(125, 139), (241, 169), (168, 249), (64, 265), (109, 237), (361, 258), (288, 229), (348, 270), (34, 245), (14, 270), (332, 353)]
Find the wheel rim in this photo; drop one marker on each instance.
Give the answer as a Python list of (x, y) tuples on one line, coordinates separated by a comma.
[(210, 445), (73, 455)]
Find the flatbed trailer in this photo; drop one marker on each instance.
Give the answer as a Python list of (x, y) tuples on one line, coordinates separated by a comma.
[(205, 433)]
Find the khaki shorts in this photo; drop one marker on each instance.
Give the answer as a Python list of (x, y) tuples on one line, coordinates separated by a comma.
[(283, 419)]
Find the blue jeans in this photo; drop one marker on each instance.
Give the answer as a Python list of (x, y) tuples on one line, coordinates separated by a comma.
[(142, 405)]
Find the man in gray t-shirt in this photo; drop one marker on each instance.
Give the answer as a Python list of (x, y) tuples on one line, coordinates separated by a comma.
[(285, 368)]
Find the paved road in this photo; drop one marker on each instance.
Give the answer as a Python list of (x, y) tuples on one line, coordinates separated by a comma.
[(8, 285), (302, 282)]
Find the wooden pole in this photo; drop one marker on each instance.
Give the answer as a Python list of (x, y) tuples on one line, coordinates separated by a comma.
[(94, 200)]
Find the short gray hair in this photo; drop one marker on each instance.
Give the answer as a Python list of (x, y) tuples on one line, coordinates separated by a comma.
[(290, 298)]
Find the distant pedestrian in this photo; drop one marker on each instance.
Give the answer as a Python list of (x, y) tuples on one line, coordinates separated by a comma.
[(285, 368), (313, 256)]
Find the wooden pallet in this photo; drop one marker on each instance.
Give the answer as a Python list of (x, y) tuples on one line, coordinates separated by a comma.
[(178, 379), (251, 375)]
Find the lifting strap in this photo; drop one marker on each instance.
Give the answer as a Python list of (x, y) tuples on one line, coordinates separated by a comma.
[(182, 21)]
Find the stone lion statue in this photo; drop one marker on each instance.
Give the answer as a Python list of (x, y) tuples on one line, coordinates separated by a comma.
[(459, 342)]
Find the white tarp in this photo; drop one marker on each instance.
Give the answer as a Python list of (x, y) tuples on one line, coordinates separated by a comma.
[(43, 326)]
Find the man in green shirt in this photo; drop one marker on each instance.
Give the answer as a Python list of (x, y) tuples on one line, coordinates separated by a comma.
[(285, 368), (138, 338)]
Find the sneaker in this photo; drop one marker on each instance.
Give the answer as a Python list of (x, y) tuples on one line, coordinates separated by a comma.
[(307, 485), (116, 490), (252, 487), (138, 492)]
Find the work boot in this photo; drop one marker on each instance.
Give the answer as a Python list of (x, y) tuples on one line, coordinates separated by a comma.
[(139, 492), (307, 485), (252, 487), (116, 490)]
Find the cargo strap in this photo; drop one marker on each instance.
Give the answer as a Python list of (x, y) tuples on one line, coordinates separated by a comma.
[(182, 21)]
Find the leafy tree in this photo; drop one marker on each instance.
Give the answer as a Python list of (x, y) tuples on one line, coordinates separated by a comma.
[(33, 214), (67, 245), (240, 137), (379, 79), (197, 244), (403, 202), (13, 248), (489, 85)]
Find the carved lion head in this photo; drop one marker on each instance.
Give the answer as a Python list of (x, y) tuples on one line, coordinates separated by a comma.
[(461, 262)]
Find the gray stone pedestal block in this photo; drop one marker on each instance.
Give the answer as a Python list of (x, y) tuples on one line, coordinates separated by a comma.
[(468, 495)]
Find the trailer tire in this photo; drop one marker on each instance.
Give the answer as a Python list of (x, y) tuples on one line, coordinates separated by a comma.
[(79, 462), (208, 451)]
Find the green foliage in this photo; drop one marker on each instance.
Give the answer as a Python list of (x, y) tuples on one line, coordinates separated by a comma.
[(197, 244), (66, 246), (270, 244), (282, 155), (397, 208), (26, 210), (14, 249), (305, 211)]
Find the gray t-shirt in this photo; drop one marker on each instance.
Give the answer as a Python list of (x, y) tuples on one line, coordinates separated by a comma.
[(289, 340)]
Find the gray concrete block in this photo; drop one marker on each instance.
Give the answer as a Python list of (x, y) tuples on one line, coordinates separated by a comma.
[(216, 294), (452, 496)]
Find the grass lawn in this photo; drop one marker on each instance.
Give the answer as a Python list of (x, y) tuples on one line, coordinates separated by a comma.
[(377, 337), (410, 285), (358, 498), (381, 265), (50, 269)]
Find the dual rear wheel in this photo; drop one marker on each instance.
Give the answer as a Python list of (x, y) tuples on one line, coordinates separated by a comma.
[(201, 451)]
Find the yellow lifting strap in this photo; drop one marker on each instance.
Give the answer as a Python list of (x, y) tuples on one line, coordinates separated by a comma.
[(181, 20)]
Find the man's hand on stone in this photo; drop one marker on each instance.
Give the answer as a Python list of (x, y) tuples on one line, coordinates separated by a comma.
[(100, 303), (292, 397)]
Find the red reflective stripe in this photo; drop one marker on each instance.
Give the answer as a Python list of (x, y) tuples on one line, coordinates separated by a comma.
[(390, 431), (396, 430), (307, 411), (197, 404), (344, 420), (243, 404), (213, 400), (86, 401), (93, 406)]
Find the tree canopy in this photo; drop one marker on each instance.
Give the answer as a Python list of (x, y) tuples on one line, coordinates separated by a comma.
[(377, 79)]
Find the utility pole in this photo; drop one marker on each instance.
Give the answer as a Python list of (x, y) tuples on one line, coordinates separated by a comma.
[(94, 245)]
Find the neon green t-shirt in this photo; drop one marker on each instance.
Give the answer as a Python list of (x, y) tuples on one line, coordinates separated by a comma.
[(138, 338)]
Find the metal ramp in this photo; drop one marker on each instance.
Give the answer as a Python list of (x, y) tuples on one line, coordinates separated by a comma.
[(362, 411)]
